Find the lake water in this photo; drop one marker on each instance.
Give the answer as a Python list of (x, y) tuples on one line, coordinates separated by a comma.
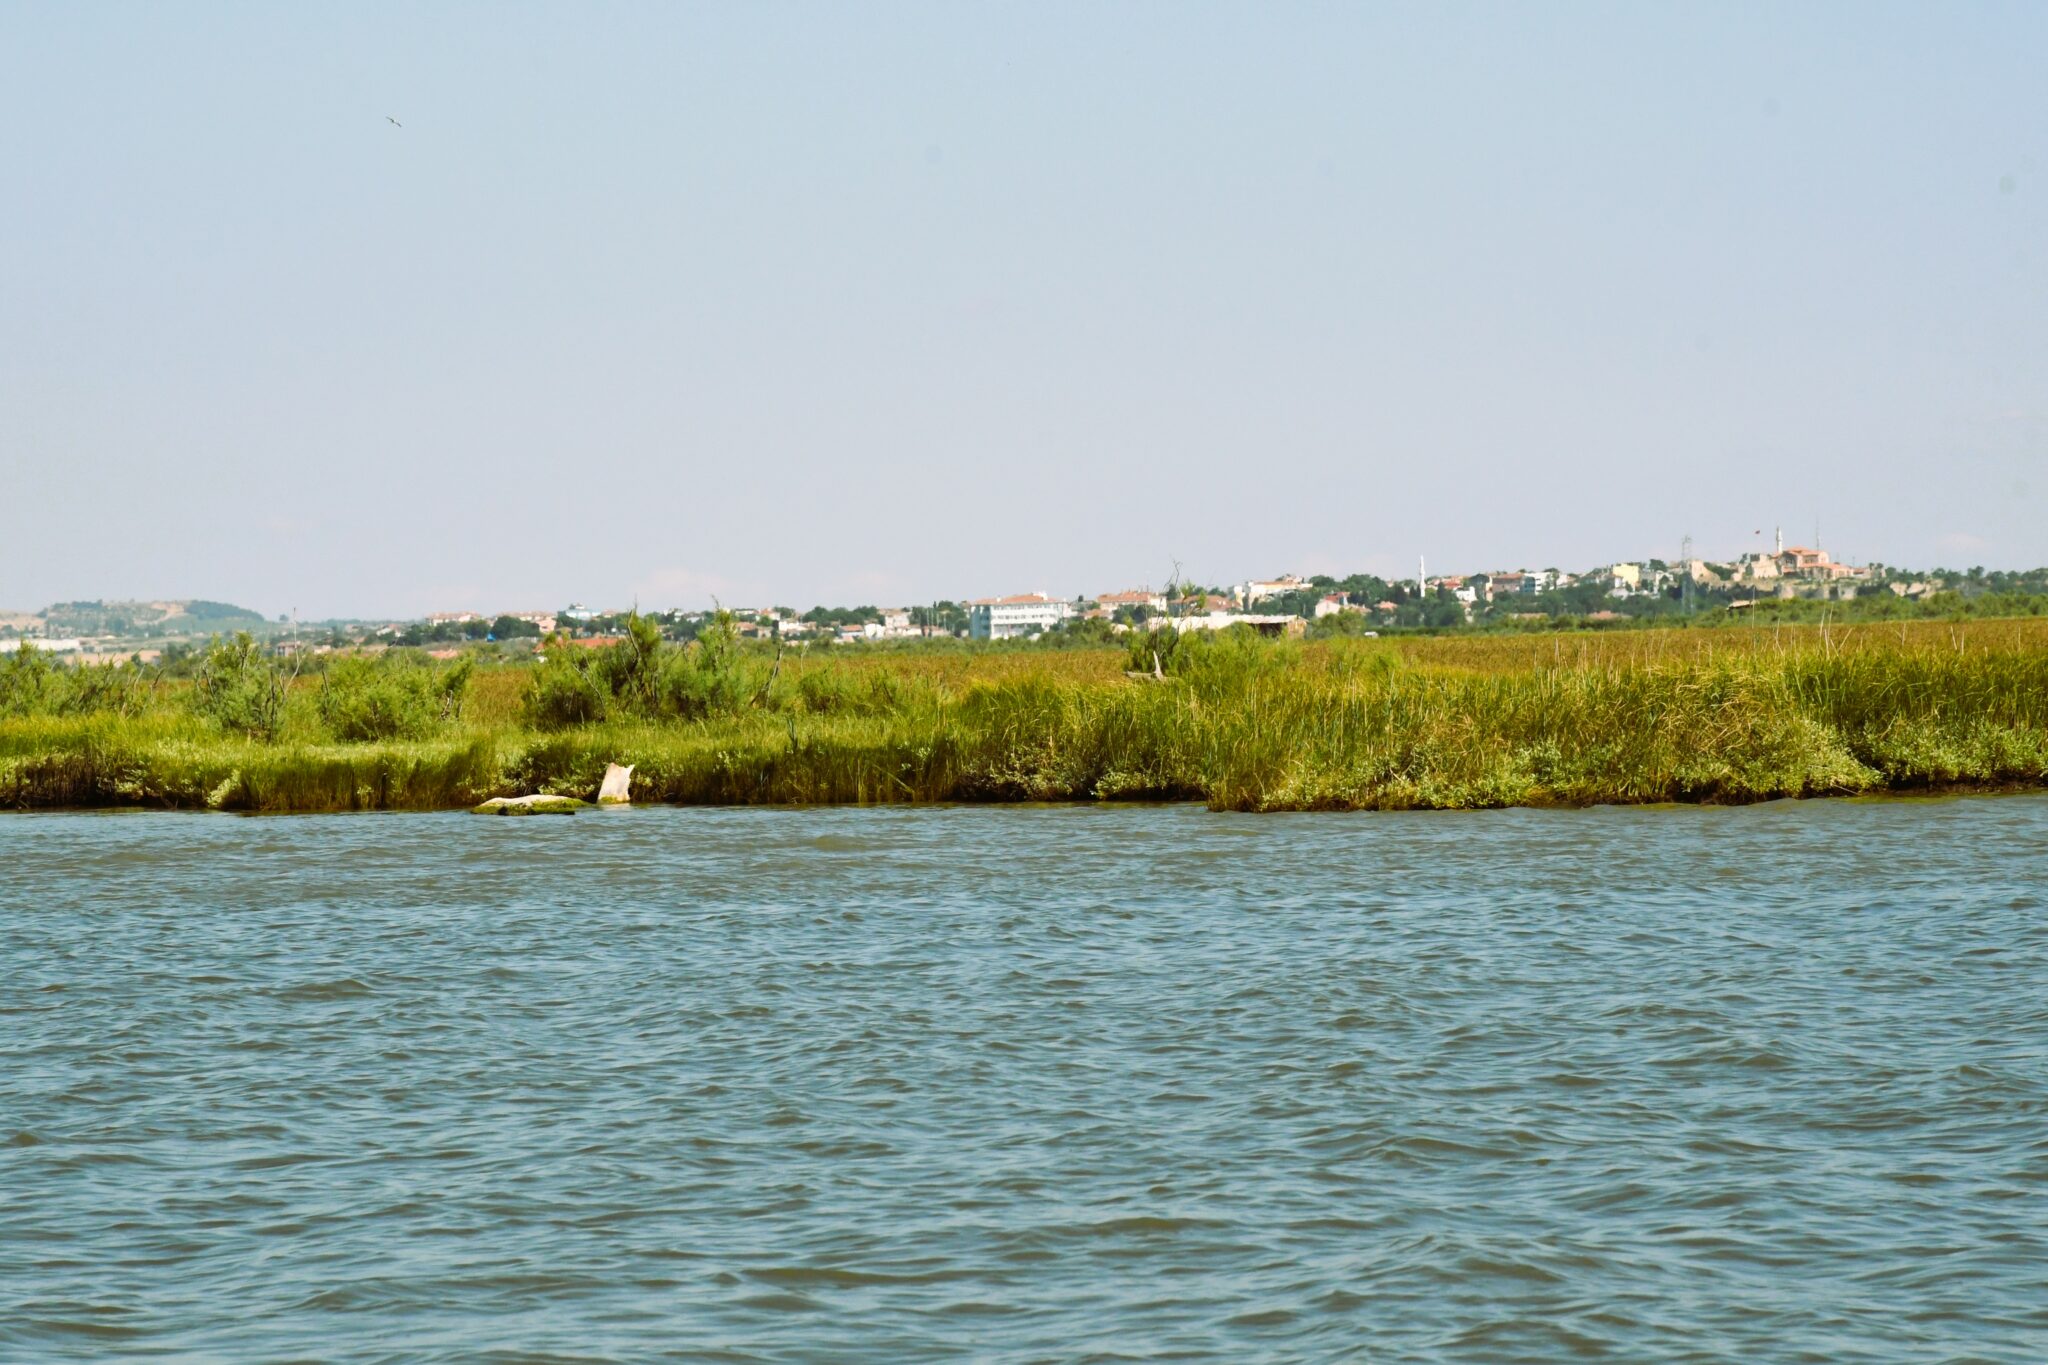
[(1028, 1084)]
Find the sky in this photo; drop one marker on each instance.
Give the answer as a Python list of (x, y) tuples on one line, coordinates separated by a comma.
[(802, 303)]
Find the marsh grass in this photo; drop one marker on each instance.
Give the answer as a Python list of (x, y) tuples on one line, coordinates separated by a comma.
[(1244, 724)]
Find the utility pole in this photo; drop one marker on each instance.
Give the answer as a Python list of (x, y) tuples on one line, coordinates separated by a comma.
[(1685, 571)]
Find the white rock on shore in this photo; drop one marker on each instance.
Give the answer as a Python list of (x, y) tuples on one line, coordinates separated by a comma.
[(537, 804)]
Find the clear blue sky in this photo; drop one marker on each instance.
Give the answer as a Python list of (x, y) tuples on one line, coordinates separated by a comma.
[(887, 302)]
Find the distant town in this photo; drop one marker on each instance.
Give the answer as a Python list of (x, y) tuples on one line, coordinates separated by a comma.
[(1319, 605)]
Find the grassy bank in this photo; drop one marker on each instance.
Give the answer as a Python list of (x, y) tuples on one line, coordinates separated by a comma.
[(1242, 724)]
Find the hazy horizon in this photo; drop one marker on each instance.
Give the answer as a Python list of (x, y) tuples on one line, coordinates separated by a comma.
[(905, 302), (487, 606)]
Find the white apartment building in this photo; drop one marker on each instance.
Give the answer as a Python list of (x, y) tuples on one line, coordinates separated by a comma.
[(1005, 618)]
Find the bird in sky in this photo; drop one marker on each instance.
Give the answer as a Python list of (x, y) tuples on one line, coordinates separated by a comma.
[(393, 122)]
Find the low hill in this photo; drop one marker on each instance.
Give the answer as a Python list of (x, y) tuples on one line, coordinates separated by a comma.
[(191, 616)]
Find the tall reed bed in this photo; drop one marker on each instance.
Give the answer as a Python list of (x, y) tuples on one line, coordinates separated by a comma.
[(1242, 724)]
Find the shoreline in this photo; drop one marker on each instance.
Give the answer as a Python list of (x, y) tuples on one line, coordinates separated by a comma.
[(1954, 791), (357, 797)]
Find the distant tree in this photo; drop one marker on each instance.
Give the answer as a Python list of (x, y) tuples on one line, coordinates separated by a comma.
[(842, 616), (1082, 631), (1339, 624), (1446, 611), (947, 616)]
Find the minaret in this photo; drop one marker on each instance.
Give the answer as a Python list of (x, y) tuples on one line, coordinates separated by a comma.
[(1421, 579), (1781, 540)]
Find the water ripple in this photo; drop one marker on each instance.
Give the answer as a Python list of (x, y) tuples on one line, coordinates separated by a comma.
[(1028, 1084)]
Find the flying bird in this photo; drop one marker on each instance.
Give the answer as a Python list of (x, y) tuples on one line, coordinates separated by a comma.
[(393, 122)]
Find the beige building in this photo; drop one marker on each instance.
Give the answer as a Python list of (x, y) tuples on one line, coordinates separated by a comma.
[(1258, 590), (1331, 603), (1797, 561), (1756, 567)]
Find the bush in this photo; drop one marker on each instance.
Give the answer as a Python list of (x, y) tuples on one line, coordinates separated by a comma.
[(1176, 651), (240, 689), (31, 685), (562, 693), (631, 670), (102, 690), (1152, 648), (642, 675), (1341, 625), (713, 677), (26, 682), (393, 697)]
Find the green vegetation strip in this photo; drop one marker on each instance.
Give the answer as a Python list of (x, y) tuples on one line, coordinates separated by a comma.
[(1239, 722)]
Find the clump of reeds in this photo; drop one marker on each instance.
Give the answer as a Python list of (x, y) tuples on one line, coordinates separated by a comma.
[(391, 697), (33, 684)]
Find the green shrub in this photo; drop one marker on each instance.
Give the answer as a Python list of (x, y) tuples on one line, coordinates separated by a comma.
[(393, 697), (1232, 653), (102, 690), (715, 676), (31, 685), (240, 689), (1155, 648), (562, 691), (631, 670), (643, 675), (27, 684)]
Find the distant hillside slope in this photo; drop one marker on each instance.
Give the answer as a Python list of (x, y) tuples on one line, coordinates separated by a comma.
[(192, 616)]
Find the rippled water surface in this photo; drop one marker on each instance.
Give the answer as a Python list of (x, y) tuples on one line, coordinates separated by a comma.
[(1028, 1084)]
